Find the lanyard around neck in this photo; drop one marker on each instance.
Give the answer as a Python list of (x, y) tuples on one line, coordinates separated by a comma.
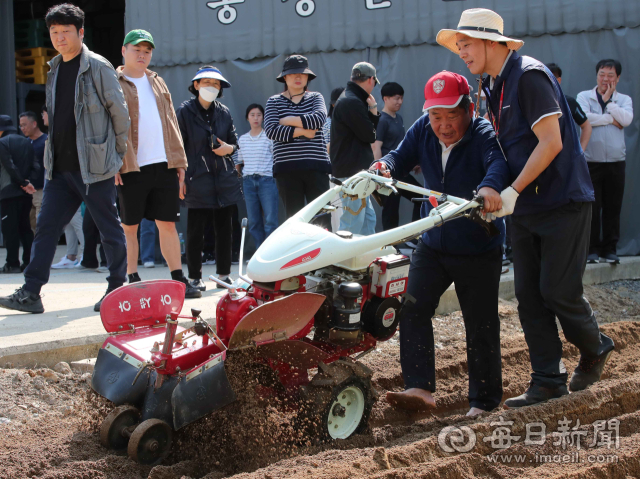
[(496, 126)]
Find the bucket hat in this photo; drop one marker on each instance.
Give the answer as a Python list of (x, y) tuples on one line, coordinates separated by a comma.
[(213, 73), (478, 23), (295, 64)]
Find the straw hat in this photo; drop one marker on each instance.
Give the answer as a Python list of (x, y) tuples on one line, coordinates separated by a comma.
[(478, 23)]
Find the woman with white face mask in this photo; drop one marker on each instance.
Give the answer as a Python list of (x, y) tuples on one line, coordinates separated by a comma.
[(212, 185)]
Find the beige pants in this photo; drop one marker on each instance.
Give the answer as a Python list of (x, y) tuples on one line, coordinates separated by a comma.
[(36, 204)]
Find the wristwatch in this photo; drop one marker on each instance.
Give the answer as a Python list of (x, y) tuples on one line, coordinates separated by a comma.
[(375, 105)]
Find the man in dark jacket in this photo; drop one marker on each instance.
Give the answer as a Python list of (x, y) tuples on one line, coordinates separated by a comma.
[(457, 155), (550, 181), (17, 164), (30, 128), (353, 131)]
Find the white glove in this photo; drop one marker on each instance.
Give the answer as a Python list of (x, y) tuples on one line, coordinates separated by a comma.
[(509, 196), (358, 186), (488, 217)]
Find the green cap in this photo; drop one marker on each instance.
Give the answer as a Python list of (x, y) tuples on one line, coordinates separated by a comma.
[(136, 36), (364, 70)]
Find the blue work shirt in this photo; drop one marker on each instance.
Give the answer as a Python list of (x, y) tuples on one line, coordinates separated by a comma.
[(474, 162)]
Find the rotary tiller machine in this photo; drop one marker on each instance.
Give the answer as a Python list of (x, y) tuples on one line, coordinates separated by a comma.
[(311, 304)]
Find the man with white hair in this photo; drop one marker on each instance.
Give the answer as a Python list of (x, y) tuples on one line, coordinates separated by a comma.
[(550, 223)]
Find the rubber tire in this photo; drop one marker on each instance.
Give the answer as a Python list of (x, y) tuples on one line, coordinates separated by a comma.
[(318, 396), (111, 428), (141, 433)]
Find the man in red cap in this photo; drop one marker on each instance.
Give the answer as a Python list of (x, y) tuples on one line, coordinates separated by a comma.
[(458, 155)]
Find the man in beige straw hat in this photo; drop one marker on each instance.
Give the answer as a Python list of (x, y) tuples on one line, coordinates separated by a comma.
[(550, 198)]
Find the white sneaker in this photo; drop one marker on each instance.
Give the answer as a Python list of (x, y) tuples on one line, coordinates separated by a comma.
[(65, 263), (102, 269), (149, 264)]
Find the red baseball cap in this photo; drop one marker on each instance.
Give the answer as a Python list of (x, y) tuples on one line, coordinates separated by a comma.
[(445, 90)]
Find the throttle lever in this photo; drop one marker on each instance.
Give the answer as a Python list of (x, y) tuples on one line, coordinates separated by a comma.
[(489, 228)]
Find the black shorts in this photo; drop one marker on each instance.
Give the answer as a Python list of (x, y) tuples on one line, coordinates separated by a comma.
[(152, 193)]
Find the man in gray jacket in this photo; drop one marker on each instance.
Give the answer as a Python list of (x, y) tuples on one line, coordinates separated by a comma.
[(88, 126), (609, 112)]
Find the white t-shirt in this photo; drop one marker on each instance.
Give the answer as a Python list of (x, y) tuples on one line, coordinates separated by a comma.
[(446, 152), (150, 139)]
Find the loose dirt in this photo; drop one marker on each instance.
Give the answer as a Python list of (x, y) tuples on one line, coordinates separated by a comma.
[(48, 420)]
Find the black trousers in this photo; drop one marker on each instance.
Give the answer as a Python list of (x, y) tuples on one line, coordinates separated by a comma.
[(91, 242), (297, 188), (477, 280), (196, 221), (549, 258), (16, 229), (209, 233), (62, 197), (608, 186), (391, 205)]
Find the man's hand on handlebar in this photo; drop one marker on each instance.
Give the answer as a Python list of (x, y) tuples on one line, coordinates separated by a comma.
[(492, 199), (382, 168)]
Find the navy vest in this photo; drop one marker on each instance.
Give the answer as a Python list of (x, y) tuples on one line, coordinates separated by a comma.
[(567, 178)]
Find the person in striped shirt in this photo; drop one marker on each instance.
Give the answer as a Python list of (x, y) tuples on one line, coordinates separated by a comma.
[(255, 163), (293, 120)]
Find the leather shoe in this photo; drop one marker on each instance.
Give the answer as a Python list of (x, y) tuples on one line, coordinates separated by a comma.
[(535, 395), (588, 371)]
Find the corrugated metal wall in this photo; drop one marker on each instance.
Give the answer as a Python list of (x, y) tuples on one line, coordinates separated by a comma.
[(188, 31), (411, 65)]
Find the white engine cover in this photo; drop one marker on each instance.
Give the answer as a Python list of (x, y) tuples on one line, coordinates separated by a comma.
[(297, 248)]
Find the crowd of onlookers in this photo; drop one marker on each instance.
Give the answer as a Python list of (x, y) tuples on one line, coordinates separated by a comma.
[(122, 127)]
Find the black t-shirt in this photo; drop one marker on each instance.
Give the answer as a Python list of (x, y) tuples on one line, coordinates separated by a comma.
[(38, 147), (603, 104), (207, 114), (576, 110), (536, 96), (390, 132), (65, 149)]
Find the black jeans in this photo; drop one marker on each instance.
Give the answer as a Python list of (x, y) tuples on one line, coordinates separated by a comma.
[(210, 238), (391, 205), (62, 197), (91, 241), (608, 186), (477, 280), (16, 229), (297, 188), (549, 258), (196, 221)]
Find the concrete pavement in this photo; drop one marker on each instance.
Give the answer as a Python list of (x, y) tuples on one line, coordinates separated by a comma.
[(70, 330)]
